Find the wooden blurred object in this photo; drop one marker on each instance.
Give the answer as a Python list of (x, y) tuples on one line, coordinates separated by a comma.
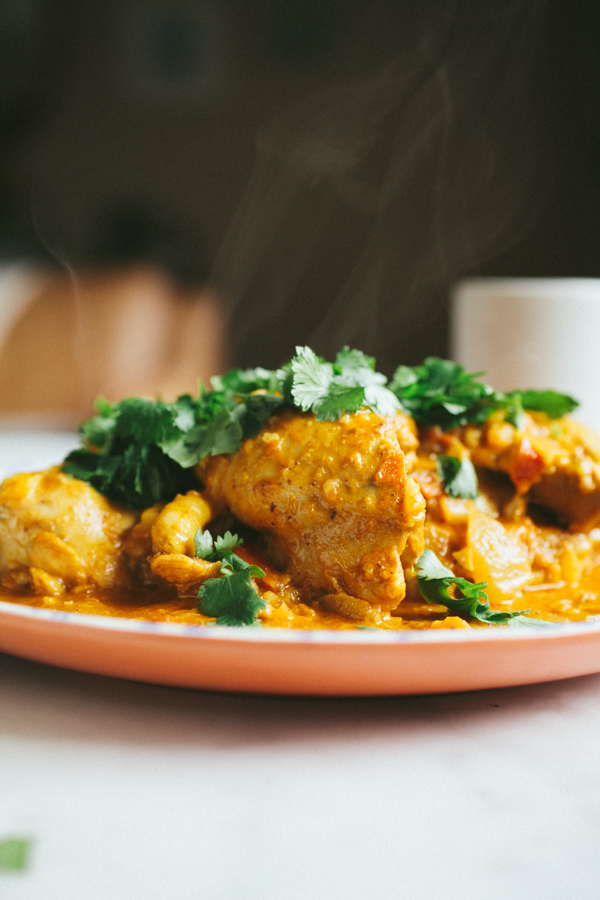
[(113, 334)]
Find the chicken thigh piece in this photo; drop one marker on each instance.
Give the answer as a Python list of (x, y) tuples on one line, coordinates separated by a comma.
[(57, 532), (336, 501)]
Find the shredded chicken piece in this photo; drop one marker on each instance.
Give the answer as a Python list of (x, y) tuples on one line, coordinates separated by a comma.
[(175, 526), (177, 568)]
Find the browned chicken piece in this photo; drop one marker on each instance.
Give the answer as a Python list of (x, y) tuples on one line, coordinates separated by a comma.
[(58, 532), (336, 501), (554, 463)]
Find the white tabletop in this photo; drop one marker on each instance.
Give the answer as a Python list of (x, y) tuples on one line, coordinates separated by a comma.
[(136, 791)]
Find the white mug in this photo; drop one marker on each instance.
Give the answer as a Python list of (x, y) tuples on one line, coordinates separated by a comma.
[(531, 333)]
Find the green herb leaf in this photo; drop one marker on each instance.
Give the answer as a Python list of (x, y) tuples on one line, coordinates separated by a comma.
[(246, 381), (330, 391), (349, 360), (434, 580), (340, 399), (232, 597), (133, 476), (14, 854), (218, 549), (515, 414), (311, 378), (526, 622), (227, 542), (204, 544), (555, 405), (354, 369), (459, 476), (441, 392), (255, 411)]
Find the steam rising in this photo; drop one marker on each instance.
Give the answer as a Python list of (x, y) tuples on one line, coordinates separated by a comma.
[(368, 201)]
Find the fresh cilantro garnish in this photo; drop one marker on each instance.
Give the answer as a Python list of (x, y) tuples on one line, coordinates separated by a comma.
[(339, 400), (215, 550), (14, 854), (232, 597), (312, 377), (441, 392), (469, 599), (244, 381), (138, 452), (459, 476), (555, 405), (127, 463), (331, 389)]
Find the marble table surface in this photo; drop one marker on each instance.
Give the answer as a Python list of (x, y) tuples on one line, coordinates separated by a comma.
[(144, 792), (137, 791)]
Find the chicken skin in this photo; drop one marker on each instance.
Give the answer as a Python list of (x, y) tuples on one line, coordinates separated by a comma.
[(336, 501), (57, 532)]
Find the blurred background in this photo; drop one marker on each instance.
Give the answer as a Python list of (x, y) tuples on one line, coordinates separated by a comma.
[(190, 184)]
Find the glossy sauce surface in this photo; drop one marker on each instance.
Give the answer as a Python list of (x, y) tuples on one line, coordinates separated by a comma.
[(557, 602)]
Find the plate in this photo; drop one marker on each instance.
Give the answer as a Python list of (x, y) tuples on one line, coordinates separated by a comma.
[(278, 661)]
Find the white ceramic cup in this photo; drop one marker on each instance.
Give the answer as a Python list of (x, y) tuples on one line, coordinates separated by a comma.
[(532, 333)]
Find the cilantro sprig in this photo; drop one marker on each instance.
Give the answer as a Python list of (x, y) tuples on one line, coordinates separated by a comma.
[(458, 476), (331, 389), (469, 599), (231, 597), (441, 392)]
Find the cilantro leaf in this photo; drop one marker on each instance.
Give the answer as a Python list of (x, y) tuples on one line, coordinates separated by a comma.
[(434, 580), (441, 392), (203, 541), (381, 400), (354, 369), (555, 405), (526, 622), (233, 599), (135, 476), (404, 376), (227, 542), (340, 399), (98, 432), (311, 378), (255, 411), (513, 406), (331, 390), (459, 476), (218, 549), (348, 360), (245, 381)]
